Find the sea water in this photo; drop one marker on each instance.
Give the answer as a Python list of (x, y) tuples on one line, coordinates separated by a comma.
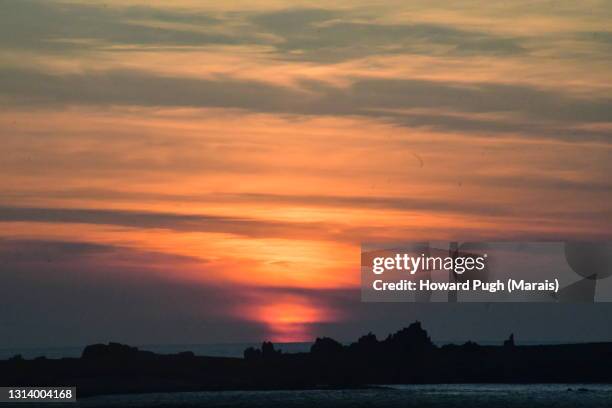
[(421, 396)]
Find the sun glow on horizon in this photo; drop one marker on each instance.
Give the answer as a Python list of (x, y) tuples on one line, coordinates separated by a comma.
[(289, 318)]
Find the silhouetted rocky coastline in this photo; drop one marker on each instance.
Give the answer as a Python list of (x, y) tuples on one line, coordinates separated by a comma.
[(405, 357)]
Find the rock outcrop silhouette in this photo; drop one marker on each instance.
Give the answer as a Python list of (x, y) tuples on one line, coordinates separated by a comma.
[(407, 356)]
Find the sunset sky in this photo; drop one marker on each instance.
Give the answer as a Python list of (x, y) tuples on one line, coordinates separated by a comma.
[(195, 171)]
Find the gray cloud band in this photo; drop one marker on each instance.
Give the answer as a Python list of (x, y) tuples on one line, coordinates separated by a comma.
[(544, 113)]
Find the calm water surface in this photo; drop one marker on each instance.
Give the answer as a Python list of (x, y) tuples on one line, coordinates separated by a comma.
[(443, 396)]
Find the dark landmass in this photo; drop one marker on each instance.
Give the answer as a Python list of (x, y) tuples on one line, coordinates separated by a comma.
[(405, 357)]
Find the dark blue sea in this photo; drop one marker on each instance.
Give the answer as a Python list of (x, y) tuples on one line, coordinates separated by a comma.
[(216, 350), (422, 396)]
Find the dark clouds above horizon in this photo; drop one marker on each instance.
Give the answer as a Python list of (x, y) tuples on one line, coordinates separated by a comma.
[(74, 286)]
